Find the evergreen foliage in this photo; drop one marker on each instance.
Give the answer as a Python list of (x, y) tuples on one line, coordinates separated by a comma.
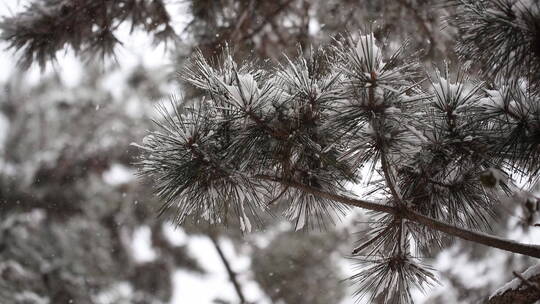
[(438, 151), (303, 130), (88, 27), (509, 29)]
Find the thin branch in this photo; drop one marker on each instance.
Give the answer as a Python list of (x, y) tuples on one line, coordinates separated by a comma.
[(278, 197), (526, 281), (473, 236), (230, 272), (266, 20), (248, 10), (469, 235), (441, 184), (422, 24), (390, 180), (331, 196)]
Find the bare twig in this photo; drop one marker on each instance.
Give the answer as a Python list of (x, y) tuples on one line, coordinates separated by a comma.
[(422, 24), (230, 272), (526, 281), (266, 20)]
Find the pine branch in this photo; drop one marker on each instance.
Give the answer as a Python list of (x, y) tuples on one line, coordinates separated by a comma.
[(469, 235), (87, 26), (306, 129), (500, 36), (474, 236), (364, 204)]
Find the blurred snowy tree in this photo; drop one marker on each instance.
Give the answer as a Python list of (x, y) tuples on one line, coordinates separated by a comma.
[(295, 271), (87, 26), (265, 28), (67, 224)]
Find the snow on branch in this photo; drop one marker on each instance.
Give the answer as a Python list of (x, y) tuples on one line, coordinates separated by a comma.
[(525, 288)]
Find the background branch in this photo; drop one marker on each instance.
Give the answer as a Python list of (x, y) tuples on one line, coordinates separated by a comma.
[(230, 271)]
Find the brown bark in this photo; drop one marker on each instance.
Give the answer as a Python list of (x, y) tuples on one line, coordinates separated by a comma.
[(469, 235), (527, 292)]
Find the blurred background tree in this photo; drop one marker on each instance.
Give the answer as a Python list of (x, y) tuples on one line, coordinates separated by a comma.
[(72, 214)]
